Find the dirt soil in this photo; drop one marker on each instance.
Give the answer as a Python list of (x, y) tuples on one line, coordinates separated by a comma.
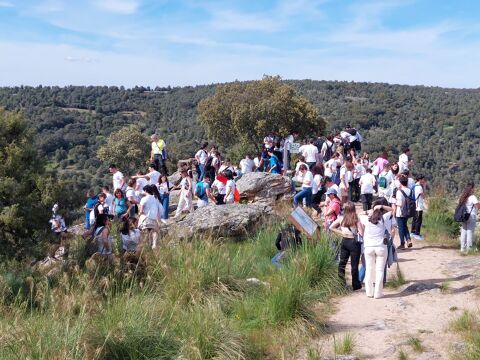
[(441, 284)]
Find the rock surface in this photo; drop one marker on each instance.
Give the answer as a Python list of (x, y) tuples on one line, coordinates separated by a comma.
[(221, 221), (260, 186)]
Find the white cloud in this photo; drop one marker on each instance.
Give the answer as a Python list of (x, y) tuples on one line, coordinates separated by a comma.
[(234, 20), (6, 4), (125, 7)]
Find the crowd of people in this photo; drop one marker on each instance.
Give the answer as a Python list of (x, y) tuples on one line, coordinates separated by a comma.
[(329, 175)]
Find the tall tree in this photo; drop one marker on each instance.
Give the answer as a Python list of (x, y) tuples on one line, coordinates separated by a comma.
[(22, 212), (127, 148), (246, 112)]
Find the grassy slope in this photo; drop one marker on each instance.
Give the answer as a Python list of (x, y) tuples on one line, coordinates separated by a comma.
[(189, 301)]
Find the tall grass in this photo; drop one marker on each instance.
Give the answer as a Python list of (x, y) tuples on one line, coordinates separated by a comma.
[(468, 326), (190, 301), (439, 226)]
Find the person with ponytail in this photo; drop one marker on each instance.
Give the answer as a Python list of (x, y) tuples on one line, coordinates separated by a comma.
[(467, 230), (350, 229), (376, 225)]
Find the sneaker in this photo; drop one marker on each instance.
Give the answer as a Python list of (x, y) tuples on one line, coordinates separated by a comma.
[(401, 247), (419, 237), (409, 243)]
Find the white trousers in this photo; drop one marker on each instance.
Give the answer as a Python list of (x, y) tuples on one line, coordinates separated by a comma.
[(375, 259), (467, 233), (184, 203)]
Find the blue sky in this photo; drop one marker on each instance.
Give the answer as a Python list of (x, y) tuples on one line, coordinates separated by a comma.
[(187, 42)]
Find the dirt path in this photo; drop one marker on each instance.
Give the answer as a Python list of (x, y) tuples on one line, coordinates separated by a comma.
[(440, 285)]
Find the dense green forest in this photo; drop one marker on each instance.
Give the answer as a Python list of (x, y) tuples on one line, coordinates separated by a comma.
[(441, 126)]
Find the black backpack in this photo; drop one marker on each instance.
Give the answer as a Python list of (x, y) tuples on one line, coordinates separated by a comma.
[(461, 214), (410, 206), (328, 152), (319, 143)]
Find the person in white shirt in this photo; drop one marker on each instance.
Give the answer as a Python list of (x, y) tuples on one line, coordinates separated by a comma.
[(132, 198), (367, 184), (202, 156), (109, 198), (400, 208), (150, 212), (376, 253), (331, 168), (404, 162), (185, 202), (419, 192), (307, 185), (152, 176), (310, 152), (385, 179), (229, 188), (141, 182), (118, 179), (467, 231), (130, 235), (247, 165), (328, 148)]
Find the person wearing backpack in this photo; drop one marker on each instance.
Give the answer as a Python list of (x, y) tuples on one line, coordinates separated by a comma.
[(419, 193), (351, 231), (203, 192), (404, 204), (385, 179), (466, 213), (328, 148)]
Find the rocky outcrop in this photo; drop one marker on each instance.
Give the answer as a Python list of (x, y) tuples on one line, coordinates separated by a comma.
[(232, 220), (259, 186)]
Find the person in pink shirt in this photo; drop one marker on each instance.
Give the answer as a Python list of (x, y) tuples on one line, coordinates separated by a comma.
[(333, 208), (380, 163)]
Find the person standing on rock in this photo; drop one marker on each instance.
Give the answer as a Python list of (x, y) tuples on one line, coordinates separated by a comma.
[(467, 231), (376, 252), (118, 179), (164, 191), (157, 155), (229, 188), (186, 190), (275, 164), (349, 228), (201, 157)]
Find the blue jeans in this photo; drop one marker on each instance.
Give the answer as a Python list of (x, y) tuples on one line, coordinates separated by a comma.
[(201, 167), (403, 230), (278, 257), (165, 200), (87, 220), (306, 194)]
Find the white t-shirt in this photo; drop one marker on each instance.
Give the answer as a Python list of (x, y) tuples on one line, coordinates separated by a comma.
[(330, 167), (359, 171), (130, 241), (310, 152), (202, 156), (327, 144), (246, 165), (317, 183), (297, 167), (109, 202), (117, 180), (256, 161), (230, 185), (403, 162), (153, 176), (367, 183), (470, 204), (373, 234), (141, 183), (151, 207), (131, 193), (222, 190), (307, 180), (419, 199), (401, 200), (163, 188), (411, 183)]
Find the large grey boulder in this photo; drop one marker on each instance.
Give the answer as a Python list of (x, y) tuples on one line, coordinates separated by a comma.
[(231, 220), (259, 186)]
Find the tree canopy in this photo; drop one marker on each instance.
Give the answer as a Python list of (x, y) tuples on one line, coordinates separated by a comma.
[(127, 148), (246, 112)]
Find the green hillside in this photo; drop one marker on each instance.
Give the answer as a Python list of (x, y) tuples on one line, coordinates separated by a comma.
[(440, 125)]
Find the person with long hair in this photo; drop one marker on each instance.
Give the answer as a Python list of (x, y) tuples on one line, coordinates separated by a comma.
[(376, 252), (150, 211), (164, 191), (467, 231), (307, 184), (229, 188), (186, 192), (349, 228), (130, 235), (102, 235), (318, 189), (333, 207), (120, 204)]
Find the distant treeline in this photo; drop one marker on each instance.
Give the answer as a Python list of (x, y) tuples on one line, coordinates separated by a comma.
[(441, 126)]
